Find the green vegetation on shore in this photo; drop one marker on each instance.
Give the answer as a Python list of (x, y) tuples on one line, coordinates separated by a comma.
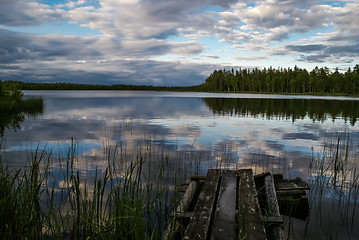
[(9, 90), (319, 81), (13, 108)]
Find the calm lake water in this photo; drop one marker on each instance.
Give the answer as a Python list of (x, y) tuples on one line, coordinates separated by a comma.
[(277, 133)]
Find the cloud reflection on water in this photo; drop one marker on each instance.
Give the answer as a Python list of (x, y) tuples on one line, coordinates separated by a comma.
[(183, 121), (187, 130)]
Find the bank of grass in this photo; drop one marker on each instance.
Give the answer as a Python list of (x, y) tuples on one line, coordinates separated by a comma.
[(129, 198)]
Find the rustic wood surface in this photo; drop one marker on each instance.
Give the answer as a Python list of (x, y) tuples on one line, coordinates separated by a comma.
[(249, 220), (275, 231), (294, 184), (224, 223), (200, 221), (226, 206), (182, 211)]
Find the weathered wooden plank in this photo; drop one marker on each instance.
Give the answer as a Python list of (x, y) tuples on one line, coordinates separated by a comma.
[(200, 222), (295, 184), (277, 176), (183, 187), (291, 192), (249, 218), (275, 231), (178, 215), (182, 211), (198, 178), (224, 222), (272, 219), (187, 198)]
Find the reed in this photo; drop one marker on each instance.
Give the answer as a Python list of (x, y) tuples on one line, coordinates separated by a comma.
[(334, 181), (20, 201), (129, 198)]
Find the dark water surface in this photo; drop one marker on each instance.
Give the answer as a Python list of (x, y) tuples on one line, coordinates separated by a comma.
[(274, 133)]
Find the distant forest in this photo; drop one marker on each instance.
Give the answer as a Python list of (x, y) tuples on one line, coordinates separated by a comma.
[(77, 86), (297, 80), (281, 80)]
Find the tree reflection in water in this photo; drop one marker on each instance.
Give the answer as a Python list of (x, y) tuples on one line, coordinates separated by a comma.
[(14, 112), (316, 109)]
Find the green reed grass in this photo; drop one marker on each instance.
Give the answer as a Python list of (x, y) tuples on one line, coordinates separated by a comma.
[(130, 198), (20, 192)]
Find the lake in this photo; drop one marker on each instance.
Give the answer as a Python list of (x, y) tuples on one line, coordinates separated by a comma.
[(276, 133)]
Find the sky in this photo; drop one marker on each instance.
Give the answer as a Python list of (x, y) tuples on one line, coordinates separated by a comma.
[(171, 42)]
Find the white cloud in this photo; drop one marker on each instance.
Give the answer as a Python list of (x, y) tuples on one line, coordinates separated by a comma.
[(26, 13)]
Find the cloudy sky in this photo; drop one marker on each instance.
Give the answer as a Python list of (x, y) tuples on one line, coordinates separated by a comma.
[(170, 42)]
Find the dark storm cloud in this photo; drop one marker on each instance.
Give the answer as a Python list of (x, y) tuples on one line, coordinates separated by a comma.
[(321, 52), (11, 46), (157, 73), (16, 47), (306, 48), (346, 49), (20, 47)]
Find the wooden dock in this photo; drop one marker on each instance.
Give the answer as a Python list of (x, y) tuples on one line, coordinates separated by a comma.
[(237, 205)]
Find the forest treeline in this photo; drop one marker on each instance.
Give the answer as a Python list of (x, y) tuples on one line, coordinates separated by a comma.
[(77, 86), (268, 80), (284, 80)]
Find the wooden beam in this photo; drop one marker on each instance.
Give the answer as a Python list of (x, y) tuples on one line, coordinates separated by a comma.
[(275, 231), (224, 223), (295, 184), (179, 215), (182, 211), (188, 197), (249, 220), (271, 219), (198, 178), (200, 222)]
